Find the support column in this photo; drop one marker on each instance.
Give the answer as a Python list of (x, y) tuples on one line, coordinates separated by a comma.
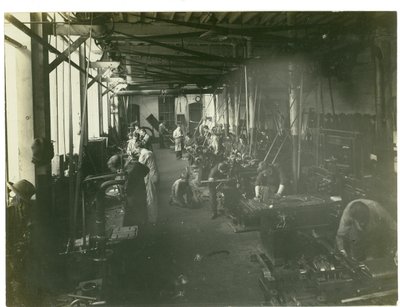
[(41, 109), (108, 110), (293, 113), (44, 240), (251, 89), (226, 111), (232, 111), (83, 92), (215, 109), (246, 93), (238, 97), (384, 125), (100, 102)]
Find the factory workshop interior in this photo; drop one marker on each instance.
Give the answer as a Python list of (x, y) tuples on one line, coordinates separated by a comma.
[(201, 158)]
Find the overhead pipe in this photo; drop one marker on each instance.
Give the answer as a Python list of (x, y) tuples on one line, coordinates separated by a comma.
[(180, 49), (167, 92)]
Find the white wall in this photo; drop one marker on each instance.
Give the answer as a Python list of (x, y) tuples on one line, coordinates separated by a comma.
[(19, 112)]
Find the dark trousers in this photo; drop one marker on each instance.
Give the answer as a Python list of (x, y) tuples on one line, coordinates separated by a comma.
[(162, 141), (178, 154), (212, 188)]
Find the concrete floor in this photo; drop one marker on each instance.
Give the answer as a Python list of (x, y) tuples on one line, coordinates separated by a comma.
[(152, 268)]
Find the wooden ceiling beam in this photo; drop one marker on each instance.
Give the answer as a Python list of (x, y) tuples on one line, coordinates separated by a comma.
[(221, 16), (248, 16), (184, 50), (188, 15), (205, 17), (233, 16)]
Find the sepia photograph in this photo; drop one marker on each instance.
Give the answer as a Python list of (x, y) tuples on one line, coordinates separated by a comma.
[(200, 158)]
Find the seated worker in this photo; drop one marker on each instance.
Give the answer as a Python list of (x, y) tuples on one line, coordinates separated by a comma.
[(135, 189), (219, 171), (133, 129), (181, 193), (270, 181), (366, 230), (145, 139), (205, 135)]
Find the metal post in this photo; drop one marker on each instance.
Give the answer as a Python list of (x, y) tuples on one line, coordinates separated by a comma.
[(227, 112), (41, 110), (247, 98), (251, 114), (238, 104), (215, 109), (100, 104), (317, 130), (71, 167), (293, 110), (84, 126), (108, 109), (300, 122), (83, 92)]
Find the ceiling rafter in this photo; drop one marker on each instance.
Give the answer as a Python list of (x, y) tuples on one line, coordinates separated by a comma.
[(249, 16), (168, 70), (184, 50), (160, 56), (234, 16), (221, 16), (188, 15), (205, 17)]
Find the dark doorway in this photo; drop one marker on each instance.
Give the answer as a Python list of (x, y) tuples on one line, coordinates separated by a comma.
[(195, 113), (166, 110), (133, 113)]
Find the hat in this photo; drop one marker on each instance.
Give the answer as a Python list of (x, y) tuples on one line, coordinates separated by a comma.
[(133, 124), (115, 161), (223, 167), (23, 188)]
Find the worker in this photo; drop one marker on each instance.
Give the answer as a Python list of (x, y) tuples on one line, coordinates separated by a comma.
[(270, 181), (133, 130), (145, 139), (19, 245), (214, 141), (146, 157), (219, 171), (163, 132), (206, 134), (365, 230), (181, 193), (178, 139), (135, 189), (132, 139)]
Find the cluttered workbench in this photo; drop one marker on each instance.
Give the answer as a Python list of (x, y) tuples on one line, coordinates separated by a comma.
[(300, 265)]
